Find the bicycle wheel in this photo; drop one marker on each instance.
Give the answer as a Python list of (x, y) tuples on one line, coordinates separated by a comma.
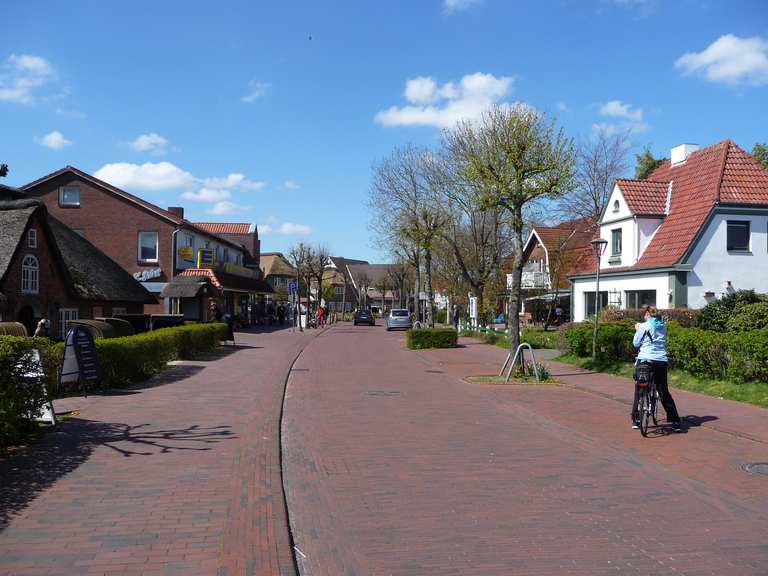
[(644, 408), (654, 395)]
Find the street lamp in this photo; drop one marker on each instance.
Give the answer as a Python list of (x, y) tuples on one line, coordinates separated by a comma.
[(598, 247)]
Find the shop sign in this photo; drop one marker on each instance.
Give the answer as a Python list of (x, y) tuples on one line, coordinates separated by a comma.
[(145, 275), (206, 258), (187, 253)]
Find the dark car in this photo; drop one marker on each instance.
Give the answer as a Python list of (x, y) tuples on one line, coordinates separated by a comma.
[(364, 317)]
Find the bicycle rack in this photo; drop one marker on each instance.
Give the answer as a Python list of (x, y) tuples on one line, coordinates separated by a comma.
[(510, 366)]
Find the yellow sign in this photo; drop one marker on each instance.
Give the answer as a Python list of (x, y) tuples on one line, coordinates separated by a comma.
[(187, 253), (206, 258)]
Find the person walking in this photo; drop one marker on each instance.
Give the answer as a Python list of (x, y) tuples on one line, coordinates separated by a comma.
[(456, 318), (320, 316), (651, 338)]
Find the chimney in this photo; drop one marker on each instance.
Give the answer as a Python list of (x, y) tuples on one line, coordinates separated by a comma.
[(679, 154), (178, 210)]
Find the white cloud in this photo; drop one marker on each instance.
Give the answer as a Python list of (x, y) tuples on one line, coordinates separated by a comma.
[(443, 106), (618, 109), (291, 185), (255, 91), (21, 75), (453, 6), (627, 119), (226, 207), (207, 195), (151, 142), (730, 60), (264, 229), (234, 180), (54, 140), (291, 229), (147, 176), (563, 107)]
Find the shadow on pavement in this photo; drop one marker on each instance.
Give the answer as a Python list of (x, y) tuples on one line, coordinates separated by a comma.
[(692, 420), (30, 470)]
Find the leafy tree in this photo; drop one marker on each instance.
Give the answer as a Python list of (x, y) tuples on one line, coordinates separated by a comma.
[(646, 163), (514, 155), (760, 152)]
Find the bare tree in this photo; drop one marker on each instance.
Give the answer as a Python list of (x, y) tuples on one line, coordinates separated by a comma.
[(513, 155), (300, 256), (318, 261), (398, 274), (404, 188)]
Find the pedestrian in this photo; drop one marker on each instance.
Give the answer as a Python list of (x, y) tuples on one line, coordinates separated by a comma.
[(42, 328), (214, 314), (651, 338), (559, 313), (456, 317), (281, 314), (320, 316)]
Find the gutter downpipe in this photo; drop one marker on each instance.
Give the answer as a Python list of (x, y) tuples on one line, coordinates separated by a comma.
[(173, 262)]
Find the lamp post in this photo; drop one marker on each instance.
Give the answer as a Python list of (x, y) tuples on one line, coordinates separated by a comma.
[(598, 247)]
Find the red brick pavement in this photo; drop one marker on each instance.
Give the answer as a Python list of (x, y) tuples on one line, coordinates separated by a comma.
[(181, 477), (395, 466)]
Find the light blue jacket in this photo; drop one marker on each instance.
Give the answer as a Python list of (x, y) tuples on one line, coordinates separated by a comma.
[(651, 338)]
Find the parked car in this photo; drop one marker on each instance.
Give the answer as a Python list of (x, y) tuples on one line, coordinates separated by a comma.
[(364, 316), (399, 318)]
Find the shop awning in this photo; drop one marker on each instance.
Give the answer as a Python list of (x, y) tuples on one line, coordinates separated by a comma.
[(187, 289), (227, 281)]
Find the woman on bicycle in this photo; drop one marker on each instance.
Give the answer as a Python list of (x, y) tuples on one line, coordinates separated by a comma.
[(651, 339)]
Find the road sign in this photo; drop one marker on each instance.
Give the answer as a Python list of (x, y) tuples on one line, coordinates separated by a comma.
[(292, 287)]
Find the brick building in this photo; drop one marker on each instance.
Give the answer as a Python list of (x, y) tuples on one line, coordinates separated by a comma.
[(149, 242), (49, 271)]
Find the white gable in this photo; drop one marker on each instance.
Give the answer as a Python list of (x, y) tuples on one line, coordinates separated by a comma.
[(617, 207)]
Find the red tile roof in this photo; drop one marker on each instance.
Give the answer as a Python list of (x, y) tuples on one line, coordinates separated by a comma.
[(572, 237), (175, 218), (644, 197), (225, 227), (722, 173)]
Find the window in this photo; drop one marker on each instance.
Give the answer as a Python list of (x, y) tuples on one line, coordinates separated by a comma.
[(69, 197), (615, 205), (66, 315), (189, 240), (738, 236), (30, 275), (616, 242), (148, 246), (118, 310), (32, 238), (226, 255), (339, 290), (589, 302), (640, 298)]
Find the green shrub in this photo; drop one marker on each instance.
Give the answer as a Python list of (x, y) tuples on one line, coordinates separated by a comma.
[(578, 338), (538, 338), (441, 316), (614, 340), (683, 316), (21, 398), (748, 356), (747, 317), (418, 338), (703, 353), (715, 315)]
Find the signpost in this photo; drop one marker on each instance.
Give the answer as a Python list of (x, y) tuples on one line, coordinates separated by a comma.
[(473, 311)]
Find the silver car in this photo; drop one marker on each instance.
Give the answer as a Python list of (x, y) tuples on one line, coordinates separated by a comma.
[(399, 318)]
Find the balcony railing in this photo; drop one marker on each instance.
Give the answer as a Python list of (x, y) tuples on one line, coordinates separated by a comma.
[(531, 280)]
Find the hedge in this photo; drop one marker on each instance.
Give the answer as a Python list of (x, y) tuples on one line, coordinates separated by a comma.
[(418, 338), (21, 398), (123, 360), (686, 317), (137, 358), (740, 356)]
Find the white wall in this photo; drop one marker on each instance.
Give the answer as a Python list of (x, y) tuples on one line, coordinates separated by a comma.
[(658, 282), (713, 265), (646, 227)]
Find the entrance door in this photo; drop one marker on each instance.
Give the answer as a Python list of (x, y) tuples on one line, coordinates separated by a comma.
[(27, 317)]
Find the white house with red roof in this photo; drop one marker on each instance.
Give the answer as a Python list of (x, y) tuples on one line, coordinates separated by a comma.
[(695, 230)]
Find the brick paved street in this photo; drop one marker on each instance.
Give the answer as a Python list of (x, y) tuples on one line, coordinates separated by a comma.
[(395, 466), (180, 478)]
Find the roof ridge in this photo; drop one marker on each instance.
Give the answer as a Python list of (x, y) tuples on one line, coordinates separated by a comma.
[(726, 150)]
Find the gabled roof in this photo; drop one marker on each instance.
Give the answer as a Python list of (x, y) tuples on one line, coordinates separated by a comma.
[(89, 273), (225, 280), (572, 237), (721, 174), (274, 263), (227, 227), (644, 197), (159, 212), (373, 273)]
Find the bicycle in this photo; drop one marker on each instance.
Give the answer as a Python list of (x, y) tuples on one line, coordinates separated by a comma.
[(648, 397)]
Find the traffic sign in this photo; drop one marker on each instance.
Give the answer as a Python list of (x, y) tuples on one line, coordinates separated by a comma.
[(292, 286)]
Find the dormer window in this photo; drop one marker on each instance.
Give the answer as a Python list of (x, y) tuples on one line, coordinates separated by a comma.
[(69, 197), (32, 238), (615, 205)]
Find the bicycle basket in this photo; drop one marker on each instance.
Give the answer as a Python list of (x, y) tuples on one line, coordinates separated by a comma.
[(643, 373)]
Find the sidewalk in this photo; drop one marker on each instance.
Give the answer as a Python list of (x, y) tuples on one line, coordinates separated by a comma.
[(727, 416), (178, 476)]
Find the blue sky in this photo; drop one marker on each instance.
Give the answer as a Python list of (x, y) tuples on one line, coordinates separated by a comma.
[(273, 112)]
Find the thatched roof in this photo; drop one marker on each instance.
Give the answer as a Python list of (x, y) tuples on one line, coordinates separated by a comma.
[(93, 274), (275, 264), (14, 216)]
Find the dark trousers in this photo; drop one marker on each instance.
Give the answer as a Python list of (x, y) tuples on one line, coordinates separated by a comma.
[(660, 377)]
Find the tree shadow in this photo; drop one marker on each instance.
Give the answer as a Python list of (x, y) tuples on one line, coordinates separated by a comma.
[(28, 471)]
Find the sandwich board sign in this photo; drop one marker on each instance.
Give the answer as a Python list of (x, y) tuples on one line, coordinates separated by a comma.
[(80, 363)]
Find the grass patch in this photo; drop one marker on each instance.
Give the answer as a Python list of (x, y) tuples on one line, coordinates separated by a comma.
[(516, 380), (538, 338), (755, 393)]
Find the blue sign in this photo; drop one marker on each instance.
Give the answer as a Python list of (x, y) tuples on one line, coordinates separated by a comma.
[(292, 287)]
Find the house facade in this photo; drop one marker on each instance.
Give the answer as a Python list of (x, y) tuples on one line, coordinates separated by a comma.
[(695, 230), (48, 271), (149, 242)]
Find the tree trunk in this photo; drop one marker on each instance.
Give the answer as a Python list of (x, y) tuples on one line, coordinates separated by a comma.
[(428, 287), (517, 275), (417, 290)]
